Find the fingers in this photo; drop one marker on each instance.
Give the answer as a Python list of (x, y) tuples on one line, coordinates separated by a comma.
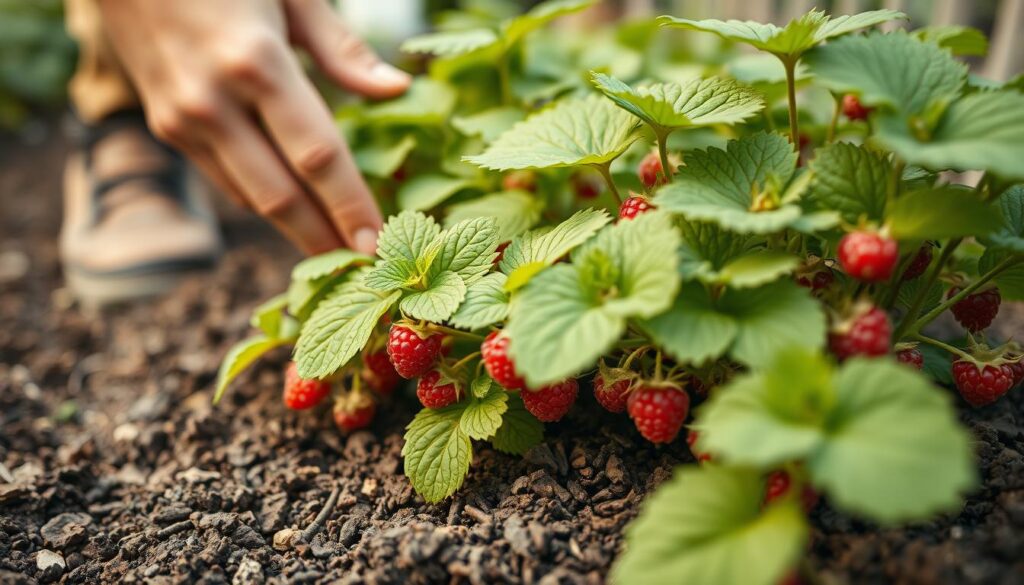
[(340, 54), (207, 163), (303, 128), (251, 162)]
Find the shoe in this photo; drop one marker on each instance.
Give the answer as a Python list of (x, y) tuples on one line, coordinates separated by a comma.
[(136, 218)]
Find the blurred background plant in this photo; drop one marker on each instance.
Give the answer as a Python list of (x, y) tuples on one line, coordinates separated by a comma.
[(36, 58)]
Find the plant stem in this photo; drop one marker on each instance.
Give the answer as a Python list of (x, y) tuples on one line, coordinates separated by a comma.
[(963, 293), (455, 332), (939, 344), (831, 135), (930, 279), (606, 172), (794, 132), (465, 360), (666, 169)]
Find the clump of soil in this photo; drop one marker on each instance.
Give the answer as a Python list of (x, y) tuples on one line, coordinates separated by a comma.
[(122, 471)]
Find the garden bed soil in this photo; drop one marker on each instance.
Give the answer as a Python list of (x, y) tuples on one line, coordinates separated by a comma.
[(124, 472)]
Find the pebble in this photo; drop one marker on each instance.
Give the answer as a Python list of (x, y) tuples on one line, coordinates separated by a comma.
[(50, 562), (66, 530)]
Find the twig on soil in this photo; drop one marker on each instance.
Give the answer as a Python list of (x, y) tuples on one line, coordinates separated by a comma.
[(477, 514), (5, 474), (321, 518), (173, 529)]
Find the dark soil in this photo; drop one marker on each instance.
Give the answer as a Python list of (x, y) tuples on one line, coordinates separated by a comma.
[(124, 472)]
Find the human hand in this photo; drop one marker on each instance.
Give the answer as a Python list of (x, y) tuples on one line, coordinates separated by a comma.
[(219, 82)]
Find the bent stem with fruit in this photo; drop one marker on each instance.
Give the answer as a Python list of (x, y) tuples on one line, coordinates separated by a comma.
[(789, 300)]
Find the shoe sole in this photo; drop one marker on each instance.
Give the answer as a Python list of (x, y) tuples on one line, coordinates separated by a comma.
[(98, 290)]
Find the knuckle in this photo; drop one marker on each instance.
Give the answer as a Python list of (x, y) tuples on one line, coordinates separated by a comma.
[(168, 125), (251, 59), (197, 106), (318, 158), (277, 205)]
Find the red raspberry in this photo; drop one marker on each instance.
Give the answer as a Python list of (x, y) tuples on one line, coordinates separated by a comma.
[(650, 171), (868, 256), (976, 311), (779, 482), (550, 403), (379, 373), (432, 395), (612, 398), (658, 412), (498, 363), (411, 354), (1018, 371), (867, 334), (354, 415), (634, 206), (299, 393), (920, 263), (912, 357), (520, 180), (981, 384), (817, 281), (853, 109), (587, 185), (691, 442)]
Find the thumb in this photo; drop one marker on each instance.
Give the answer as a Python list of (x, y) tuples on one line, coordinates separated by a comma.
[(343, 56)]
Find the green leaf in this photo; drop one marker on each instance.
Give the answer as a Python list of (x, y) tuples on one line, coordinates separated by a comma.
[(707, 525), (438, 301), (383, 161), (328, 263), (575, 131), (483, 415), (486, 303), (241, 356), (875, 435), (790, 41), (722, 186), (516, 28), (304, 295), (514, 211), (711, 246), (758, 268), (959, 40), (489, 124), (468, 249), (909, 291), (894, 70), (437, 452), (340, 327), (407, 236), (393, 274), (427, 102), (428, 191), (570, 314), (772, 316), (895, 450), (547, 246), (520, 431), (1011, 280), (557, 329), (692, 331), (942, 212), (850, 179), (697, 102), (451, 43), (268, 316), (1011, 236), (982, 131)]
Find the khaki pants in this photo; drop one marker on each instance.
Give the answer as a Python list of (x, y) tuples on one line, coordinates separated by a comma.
[(99, 86)]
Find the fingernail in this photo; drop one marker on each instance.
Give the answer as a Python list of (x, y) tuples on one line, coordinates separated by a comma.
[(389, 74), (366, 240)]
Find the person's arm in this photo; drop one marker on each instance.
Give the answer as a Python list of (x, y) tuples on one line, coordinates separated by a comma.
[(219, 81)]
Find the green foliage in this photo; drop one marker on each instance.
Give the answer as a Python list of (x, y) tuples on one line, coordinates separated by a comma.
[(713, 282)]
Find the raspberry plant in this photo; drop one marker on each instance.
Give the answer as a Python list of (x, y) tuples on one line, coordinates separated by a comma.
[(565, 208)]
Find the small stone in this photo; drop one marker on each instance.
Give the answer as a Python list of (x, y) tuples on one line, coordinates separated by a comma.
[(196, 475), (249, 571), (285, 539), (66, 530), (50, 563)]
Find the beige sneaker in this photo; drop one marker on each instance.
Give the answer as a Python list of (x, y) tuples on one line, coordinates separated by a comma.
[(136, 219)]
